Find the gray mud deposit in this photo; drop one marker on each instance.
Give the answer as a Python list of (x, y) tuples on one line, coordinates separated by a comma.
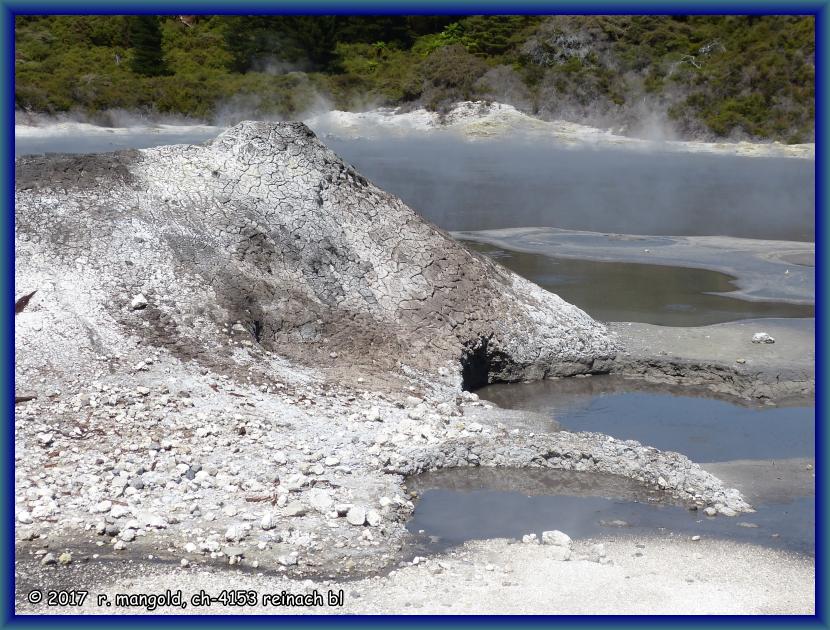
[(266, 227), (723, 359)]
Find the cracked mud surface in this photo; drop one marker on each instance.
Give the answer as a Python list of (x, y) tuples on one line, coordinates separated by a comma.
[(266, 226)]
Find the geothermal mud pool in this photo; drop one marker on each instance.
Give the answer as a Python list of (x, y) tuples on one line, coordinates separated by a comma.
[(263, 369)]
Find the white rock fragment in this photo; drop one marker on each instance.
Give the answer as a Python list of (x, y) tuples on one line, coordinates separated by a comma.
[(556, 538), (150, 519), (320, 500), (234, 533), (268, 521), (762, 337), (102, 506), (288, 560), (295, 508), (356, 515), (138, 302), (373, 518), (45, 438)]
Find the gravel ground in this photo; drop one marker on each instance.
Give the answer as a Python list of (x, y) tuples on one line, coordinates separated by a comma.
[(623, 576)]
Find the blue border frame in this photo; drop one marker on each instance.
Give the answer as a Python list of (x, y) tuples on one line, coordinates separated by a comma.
[(8, 9)]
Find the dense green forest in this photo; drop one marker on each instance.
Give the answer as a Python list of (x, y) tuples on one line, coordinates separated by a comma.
[(710, 76)]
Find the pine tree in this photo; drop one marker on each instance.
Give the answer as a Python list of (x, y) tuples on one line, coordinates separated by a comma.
[(145, 40)]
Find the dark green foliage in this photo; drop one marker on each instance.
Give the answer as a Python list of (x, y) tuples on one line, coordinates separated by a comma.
[(145, 41), (742, 76)]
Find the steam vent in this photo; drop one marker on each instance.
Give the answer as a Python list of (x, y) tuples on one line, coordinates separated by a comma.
[(267, 232)]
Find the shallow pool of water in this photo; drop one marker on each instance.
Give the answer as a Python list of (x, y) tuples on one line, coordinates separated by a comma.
[(634, 292), (457, 505), (703, 429)]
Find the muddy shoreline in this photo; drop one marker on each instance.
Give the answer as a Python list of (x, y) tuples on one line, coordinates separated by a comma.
[(723, 359)]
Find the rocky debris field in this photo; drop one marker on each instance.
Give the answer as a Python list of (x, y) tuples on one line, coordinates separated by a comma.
[(298, 476)]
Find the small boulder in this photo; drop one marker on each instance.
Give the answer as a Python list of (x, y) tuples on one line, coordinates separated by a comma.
[(234, 533), (138, 302), (288, 560), (320, 500), (356, 515), (268, 521), (374, 518), (102, 506), (556, 538), (150, 519), (295, 508)]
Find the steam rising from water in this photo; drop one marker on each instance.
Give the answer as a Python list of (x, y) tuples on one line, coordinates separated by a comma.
[(518, 183), (521, 172)]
